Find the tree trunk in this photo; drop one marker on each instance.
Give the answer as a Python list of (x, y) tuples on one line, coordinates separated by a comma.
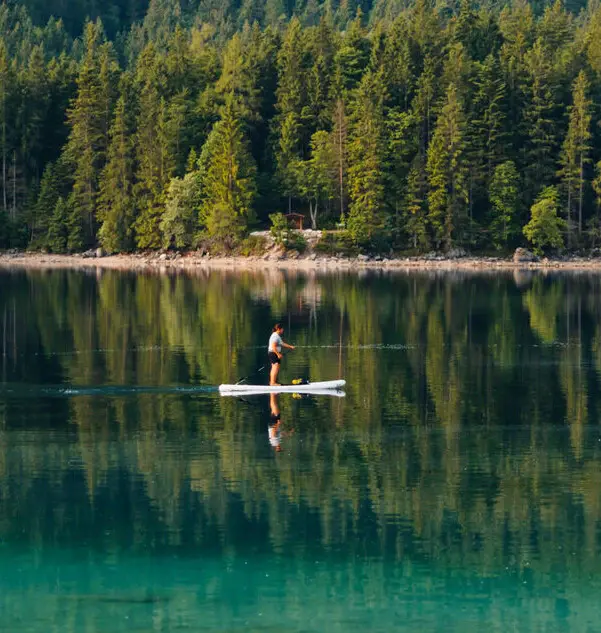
[(569, 214), (580, 196), (13, 213), (313, 214)]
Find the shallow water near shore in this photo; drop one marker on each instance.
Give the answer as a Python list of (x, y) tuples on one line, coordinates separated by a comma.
[(456, 486)]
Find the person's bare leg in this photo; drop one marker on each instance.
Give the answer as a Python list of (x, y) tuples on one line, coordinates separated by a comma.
[(273, 378)]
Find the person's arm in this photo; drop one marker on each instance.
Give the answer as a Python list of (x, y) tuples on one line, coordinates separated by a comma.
[(287, 346)]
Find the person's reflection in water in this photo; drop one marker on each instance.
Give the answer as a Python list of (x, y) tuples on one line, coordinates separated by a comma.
[(275, 423)]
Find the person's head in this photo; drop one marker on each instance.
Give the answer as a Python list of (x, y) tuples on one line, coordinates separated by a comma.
[(278, 327)]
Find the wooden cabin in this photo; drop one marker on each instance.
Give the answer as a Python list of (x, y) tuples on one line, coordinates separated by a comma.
[(295, 220)]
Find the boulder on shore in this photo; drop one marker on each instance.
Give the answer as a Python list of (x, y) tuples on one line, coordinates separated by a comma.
[(523, 255)]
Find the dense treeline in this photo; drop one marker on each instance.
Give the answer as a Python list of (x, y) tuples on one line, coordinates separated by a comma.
[(406, 128)]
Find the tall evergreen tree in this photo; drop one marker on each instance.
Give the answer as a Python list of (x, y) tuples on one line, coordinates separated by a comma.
[(539, 119), (116, 188), (51, 189), (88, 116), (228, 176), (416, 204), (504, 201), (340, 149), (58, 227), (154, 158), (576, 150), (5, 82), (351, 58), (447, 173), (367, 160)]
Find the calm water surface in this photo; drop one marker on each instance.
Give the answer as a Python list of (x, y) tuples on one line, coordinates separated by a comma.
[(456, 487)]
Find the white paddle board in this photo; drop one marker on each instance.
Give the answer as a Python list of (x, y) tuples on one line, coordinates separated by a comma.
[(329, 387)]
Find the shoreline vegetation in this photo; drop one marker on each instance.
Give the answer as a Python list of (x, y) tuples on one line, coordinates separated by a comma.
[(400, 126)]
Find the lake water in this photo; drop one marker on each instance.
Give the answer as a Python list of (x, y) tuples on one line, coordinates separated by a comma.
[(456, 487)]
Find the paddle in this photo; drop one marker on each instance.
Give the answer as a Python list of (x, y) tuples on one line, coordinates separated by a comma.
[(250, 375)]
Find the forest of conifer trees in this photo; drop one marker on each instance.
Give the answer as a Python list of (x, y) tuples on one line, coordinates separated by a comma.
[(168, 124)]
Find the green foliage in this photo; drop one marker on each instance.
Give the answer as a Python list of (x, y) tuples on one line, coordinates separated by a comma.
[(367, 159), (447, 172), (75, 228), (115, 200), (575, 151), (317, 176), (228, 179), (252, 245), (284, 235), (504, 200), (390, 123), (545, 227), (58, 233), (179, 223), (280, 228), (51, 188), (336, 242), (89, 120), (154, 150), (287, 157)]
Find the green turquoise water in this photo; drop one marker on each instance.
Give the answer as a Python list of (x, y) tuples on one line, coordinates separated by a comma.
[(455, 487)]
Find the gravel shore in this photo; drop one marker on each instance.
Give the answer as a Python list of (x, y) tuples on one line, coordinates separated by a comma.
[(195, 261)]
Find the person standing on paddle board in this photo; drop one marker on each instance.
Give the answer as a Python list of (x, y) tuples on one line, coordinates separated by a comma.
[(274, 353)]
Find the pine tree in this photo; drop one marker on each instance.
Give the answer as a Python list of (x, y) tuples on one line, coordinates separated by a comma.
[(154, 149), (31, 114), (237, 78), (351, 59), (56, 239), (86, 148), (316, 113), (51, 189), (594, 224), (487, 119), (340, 149), (5, 82), (367, 159), (115, 200), (416, 205), (398, 64), (292, 68), (447, 172), (504, 200), (402, 148), (228, 178), (423, 104), (75, 226), (539, 119), (575, 151)]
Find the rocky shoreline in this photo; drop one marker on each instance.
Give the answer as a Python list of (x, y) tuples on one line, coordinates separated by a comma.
[(165, 261)]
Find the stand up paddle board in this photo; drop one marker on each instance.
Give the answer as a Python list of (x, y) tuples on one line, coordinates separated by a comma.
[(329, 387)]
